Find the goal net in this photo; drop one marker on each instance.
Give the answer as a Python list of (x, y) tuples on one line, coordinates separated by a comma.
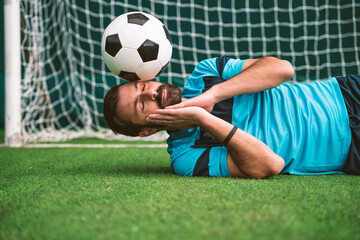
[(64, 79)]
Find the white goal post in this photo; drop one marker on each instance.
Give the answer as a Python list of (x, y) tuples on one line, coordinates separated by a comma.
[(56, 78), (12, 73)]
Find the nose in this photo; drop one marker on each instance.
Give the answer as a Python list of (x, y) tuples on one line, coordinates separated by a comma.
[(149, 94)]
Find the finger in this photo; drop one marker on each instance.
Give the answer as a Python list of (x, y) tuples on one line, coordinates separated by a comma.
[(166, 111), (187, 103), (183, 104), (164, 122), (157, 121), (179, 105), (175, 124), (160, 117)]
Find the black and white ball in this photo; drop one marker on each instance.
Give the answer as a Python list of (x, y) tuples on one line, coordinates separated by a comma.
[(136, 46)]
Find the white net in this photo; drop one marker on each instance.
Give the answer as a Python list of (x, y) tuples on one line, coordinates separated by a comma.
[(64, 78)]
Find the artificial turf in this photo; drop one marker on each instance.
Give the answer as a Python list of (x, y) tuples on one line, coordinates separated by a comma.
[(131, 193)]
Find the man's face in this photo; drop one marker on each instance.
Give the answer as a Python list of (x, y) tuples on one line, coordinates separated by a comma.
[(137, 100)]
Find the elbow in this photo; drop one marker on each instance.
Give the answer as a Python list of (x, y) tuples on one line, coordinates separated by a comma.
[(282, 68), (274, 166), (286, 70)]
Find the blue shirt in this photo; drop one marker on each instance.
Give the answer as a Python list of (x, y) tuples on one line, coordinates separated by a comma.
[(306, 124)]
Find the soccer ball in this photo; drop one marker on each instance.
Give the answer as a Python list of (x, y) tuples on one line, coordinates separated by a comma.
[(136, 46)]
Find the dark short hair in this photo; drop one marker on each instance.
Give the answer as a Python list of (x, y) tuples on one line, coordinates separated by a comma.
[(113, 121)]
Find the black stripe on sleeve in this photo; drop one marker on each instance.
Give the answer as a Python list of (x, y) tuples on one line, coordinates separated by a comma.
[(202, 165), (220, 64)]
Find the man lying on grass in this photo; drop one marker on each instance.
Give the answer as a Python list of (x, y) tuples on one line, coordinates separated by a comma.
[(237, 118)]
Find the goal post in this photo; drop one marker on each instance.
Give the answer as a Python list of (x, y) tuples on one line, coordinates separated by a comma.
[(12, 73), (62, 79)]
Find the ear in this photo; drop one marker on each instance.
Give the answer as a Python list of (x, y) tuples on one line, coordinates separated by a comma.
[(146, 131)]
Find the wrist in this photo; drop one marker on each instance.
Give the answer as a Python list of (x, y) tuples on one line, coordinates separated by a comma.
[(202, 118), (215, 93)]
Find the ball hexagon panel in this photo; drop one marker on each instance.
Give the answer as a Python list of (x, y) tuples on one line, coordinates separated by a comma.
[(149, 70), (148, 50), (112, 44), (111, 63), (165, 52), (132, 36), (116, 25), (154, 31), (128, 59), (137, 18)]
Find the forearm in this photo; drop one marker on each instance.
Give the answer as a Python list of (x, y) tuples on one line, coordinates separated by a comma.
[(252, 157), (257, 75)]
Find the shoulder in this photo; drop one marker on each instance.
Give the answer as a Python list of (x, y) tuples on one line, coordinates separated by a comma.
[(188, 160), (212, 67), (205, 67), (183, 156), (223, 67), (232, 68), (196, 82), (184, 161), (201, 162)]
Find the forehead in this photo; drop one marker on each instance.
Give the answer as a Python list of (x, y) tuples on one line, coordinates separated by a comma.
[(126, 99)]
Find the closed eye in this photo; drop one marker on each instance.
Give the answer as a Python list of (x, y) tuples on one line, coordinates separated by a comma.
[(143, 87)]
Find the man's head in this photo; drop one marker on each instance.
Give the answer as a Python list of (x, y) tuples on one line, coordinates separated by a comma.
[(127, 106)]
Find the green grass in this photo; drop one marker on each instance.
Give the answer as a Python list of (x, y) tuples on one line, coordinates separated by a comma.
[(133, 194)]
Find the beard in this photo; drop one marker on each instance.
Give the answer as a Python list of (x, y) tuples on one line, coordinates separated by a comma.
[(173, 95)]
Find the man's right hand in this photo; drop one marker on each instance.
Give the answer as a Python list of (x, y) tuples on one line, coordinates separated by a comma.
[(205, 100)]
